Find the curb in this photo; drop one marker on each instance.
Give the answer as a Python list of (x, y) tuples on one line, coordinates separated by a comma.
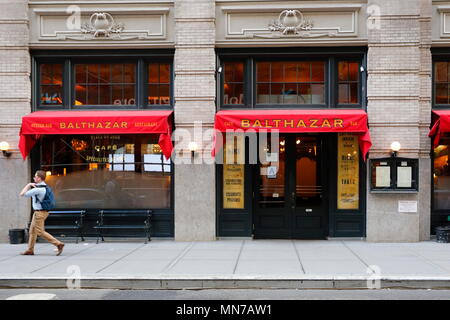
[(198, 283)]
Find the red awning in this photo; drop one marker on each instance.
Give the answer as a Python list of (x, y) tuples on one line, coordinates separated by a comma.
[(441, 124), (293, 121), (96, 122)]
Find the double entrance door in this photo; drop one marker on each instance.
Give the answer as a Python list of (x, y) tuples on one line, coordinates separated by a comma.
[(289, 195)]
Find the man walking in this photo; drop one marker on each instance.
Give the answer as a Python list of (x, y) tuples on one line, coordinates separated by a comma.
[(37, 192)]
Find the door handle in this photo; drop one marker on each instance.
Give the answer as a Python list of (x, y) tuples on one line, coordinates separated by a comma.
[(293, 200)]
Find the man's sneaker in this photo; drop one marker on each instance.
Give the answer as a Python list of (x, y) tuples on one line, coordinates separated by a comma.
[(60, 248)]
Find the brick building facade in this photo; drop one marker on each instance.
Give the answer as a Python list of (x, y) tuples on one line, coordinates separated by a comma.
[(394, 40)]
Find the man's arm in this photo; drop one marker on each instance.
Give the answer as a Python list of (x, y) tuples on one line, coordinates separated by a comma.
[(26, 188)]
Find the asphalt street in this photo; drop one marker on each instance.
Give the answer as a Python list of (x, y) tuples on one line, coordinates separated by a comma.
[(213, 294)]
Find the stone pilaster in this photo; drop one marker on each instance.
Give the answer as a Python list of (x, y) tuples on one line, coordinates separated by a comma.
[(15, 95), (195, 87), (399, 107)]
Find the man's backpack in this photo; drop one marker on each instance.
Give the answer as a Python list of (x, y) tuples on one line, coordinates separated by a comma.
[(48, 203)]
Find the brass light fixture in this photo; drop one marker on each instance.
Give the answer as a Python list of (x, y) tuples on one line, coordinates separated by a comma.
[(4, 147)]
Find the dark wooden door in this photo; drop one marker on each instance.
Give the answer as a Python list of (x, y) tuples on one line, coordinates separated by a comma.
[(289, 200)]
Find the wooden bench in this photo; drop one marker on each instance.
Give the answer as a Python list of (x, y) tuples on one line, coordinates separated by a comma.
[(114, 220), (68, 220)]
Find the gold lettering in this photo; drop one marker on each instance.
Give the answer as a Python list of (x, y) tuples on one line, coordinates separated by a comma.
[(62, 125), (108, 125), (124, 124), (91, 125), (116, 125), (267, 124), (291, 123), (277, 123), (326, 123), (99, 125), (257, 123), (313, 123), (301, 123), (70, 125), (245, 123), (338, 123)]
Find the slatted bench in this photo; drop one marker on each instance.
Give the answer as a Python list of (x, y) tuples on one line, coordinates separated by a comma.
[(66, 220), (114, 220)]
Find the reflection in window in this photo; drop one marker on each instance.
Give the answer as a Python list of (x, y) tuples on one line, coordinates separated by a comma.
[(441, 82), (441, 175), (348, 78), (105, 84), (233, 86), (158, 84), (50, 84), (107, 171), (290, 82)]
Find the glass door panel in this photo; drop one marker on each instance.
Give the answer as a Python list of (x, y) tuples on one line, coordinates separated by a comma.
[(272, 193), (308, 183)]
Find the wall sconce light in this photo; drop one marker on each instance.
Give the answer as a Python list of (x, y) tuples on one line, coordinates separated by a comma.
[(395, 147), (4, 147), (219, 70), (192, 147)]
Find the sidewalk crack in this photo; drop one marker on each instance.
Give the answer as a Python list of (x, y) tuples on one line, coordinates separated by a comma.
[(178, 258), (298, 256), (357, 256), (63, 258), (239, 256), (132, 251)]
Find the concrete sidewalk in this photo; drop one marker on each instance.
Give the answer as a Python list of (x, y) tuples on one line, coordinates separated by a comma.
[(166, 264)]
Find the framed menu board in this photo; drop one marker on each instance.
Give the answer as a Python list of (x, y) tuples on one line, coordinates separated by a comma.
[(348, 172)]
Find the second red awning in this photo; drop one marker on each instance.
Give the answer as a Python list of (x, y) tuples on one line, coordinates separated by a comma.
[(441, 124), (96, 122), (293, 121)]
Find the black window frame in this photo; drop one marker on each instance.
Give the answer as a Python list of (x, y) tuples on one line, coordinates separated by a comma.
[(141, 59), (331, 57)]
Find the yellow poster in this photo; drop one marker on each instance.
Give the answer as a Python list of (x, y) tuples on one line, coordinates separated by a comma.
[(348, 171), (233, 176)]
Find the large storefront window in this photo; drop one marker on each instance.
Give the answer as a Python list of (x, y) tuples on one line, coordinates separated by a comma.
[(290, 82), (78, 81), (105, 84), (291, 78), (441, 175), (107, 171)]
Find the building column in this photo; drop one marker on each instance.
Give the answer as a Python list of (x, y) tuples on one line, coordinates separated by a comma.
[(399, 108), (195, 87), (15, 95)]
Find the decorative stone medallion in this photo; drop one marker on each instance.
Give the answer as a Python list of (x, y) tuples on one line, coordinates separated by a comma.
[(102, 24), (291, 22)]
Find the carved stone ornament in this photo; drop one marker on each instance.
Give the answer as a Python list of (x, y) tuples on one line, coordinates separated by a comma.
[(291, 22), (102, 24)]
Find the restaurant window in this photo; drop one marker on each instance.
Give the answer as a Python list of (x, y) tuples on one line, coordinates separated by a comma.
[(105, 84), (51, 84), (441, 175), (441, 83), (348, 82), (290, 82), (107, 171), (82, 83), (291, 78), (158, 84), (233, 86)]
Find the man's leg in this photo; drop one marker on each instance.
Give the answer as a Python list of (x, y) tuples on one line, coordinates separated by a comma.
[(40, 227), (32, 236)]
